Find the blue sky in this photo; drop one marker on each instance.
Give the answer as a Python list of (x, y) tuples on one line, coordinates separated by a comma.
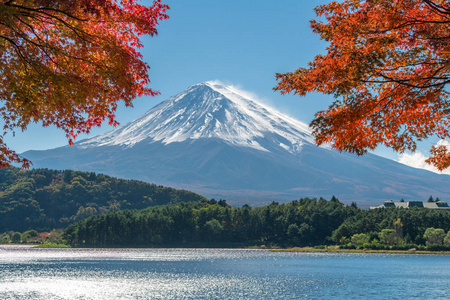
[(243, 43)]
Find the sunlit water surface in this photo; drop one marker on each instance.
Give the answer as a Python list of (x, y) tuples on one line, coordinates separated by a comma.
[(29, 273)]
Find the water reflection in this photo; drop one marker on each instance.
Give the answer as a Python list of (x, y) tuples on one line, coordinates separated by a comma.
[(27, 273)]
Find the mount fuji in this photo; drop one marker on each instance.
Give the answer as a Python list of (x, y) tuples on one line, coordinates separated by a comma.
[(215, 140)]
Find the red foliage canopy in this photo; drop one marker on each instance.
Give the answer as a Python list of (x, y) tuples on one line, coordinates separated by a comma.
[(387, 66), (68, 63)]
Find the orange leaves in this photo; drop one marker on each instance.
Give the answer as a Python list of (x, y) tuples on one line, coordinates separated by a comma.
[(440, 157), (68, 63), (388, 65), (7, 156)]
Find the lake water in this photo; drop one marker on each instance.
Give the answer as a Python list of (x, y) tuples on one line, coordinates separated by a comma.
[(28, 273)]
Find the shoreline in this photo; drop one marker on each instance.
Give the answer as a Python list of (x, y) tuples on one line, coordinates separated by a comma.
[(329, 249), (362, 251)]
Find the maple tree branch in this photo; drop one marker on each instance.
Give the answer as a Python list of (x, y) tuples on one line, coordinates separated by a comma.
[(43, 9), (68, 63), (40, 45), (19, 52), (405, 82), (42, 12), (437, 8), (24, 59)]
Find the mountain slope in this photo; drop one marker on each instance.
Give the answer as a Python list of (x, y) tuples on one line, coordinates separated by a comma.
[(214, 140), (44, 199), (209, 110)]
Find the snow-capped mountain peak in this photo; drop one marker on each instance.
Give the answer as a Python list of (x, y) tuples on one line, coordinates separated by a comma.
[(210, 110), (215, 140)]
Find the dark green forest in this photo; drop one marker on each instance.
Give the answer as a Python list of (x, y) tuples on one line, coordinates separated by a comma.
[(306, 222), (99, 210), (43, 199)]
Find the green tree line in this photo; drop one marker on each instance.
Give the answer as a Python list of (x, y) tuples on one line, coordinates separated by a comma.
[(415, 222), (304, 222), (44, 199)]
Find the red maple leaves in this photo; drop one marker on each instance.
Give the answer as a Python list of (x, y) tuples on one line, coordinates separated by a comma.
[(68, 63), (387, 65)]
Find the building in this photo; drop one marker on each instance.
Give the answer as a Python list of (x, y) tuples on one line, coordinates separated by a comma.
[(409, 204)]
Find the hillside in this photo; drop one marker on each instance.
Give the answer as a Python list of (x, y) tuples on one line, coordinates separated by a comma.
[(43, 199)]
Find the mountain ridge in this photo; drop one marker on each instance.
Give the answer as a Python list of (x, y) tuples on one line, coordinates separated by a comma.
[(215, 141), (208, 110)]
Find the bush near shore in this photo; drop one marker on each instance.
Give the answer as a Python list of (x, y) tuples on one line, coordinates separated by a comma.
[(53, 237)]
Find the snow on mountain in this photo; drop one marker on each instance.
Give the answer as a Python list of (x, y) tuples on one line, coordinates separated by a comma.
[(210, 110), (215, 140)]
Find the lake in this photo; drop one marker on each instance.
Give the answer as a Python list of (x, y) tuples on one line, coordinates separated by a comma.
[(30, 273)]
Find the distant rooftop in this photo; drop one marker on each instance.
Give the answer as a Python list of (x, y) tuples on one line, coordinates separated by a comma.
[(409, 204)]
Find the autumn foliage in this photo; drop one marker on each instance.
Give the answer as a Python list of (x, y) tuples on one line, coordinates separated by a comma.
[(387, 65), (68, 63)]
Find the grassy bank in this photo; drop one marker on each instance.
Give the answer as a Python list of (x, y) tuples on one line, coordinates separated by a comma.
[(335, 249), (52, 246)]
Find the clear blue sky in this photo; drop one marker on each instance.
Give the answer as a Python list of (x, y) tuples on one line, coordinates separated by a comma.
[(243, 43)]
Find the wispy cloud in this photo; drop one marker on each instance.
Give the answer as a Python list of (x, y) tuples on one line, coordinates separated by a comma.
[(239, 89), (417, 159)]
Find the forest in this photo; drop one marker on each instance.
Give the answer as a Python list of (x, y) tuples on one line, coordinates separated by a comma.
[(99, 210), (304, 222), (308, 221), (43, 199)]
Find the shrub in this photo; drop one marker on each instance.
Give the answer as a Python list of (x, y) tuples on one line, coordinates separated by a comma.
[(434, 236), (447, 238), (377, 247), (31, 233), (16, 237), (404, 247), (360, 238), (438, 247), (348, 246), (367, 246)]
